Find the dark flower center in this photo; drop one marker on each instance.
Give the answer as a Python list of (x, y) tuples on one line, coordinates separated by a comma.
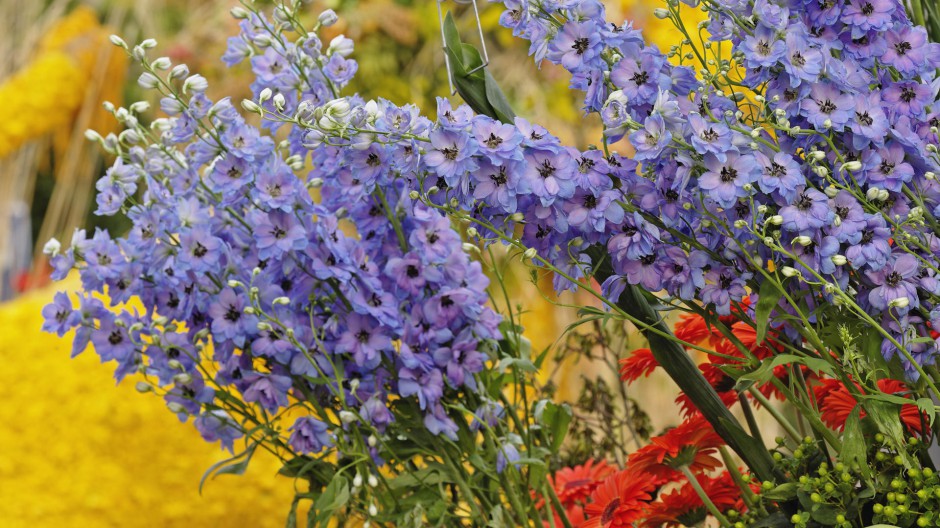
[(903, 47), (728, 174), (541, 232), (493, 141), (412, 271), (777, 170), (798, 59), (446, 301), (590, 201), (867, 236), (546, 169), (433, 237), (648, 260), (725, 282), (710, 135), (908, 94), (362, 336), (232, 314), (864, 119), (842, 211), (115, 337), (372, 160), (580, 45), (278, 233), (585, 164), (234, 173), (450, 153), (868, 9), (804, 202), (499, 178), (640, 78), (608, 514), (199, 250), (827, 107), (893, 279), (886, 167), (274, 190), (763, 47)]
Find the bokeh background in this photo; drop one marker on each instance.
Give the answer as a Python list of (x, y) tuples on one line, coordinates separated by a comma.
[(77, 450)]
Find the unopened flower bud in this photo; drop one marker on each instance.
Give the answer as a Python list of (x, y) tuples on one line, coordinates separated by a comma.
[(250, 310), (176, 407), (372, 481), (821, 171), (143, 386), (839, 260), (148, 81), (817, 155), (279, 102), (327, 18), (373, 510), (264, 326), (469, 248), (831, 191), (195, 83), (179, 71), (232, 283), (283, 301), (930, 175), (827, 124), (347, 418), (174, 364), (517, 217), (414, 195), (852, 166), (775, 220), (183, 378), (264, 95), (787, 271), (837, 221), (357, 480), (51, 247), (472, 232), (140, 107), (371, 441), (803, 240), (117, 41), (740, 224), (900, 302), (661, 13), (433, 190), (148, 43), (529, 253), (240, 13), (872, 194), (251, 106), (315, 183)]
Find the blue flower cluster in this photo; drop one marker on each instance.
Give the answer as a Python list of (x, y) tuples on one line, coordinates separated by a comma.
[(327, 286), (812, 143)]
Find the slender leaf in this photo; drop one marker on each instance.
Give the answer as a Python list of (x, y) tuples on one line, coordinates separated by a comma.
[(770, 294)]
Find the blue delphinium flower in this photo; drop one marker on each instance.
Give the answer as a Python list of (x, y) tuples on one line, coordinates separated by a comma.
[(309, 435), (726, 176)]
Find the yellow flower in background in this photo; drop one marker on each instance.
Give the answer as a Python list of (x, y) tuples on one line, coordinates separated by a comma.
[(76, 451), (43, 97)]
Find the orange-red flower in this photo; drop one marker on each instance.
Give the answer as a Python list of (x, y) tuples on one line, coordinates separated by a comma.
[(691, 444), (683, 506), (640, 363), (692, 328), (836, 403), (620, 501), (574, 486)]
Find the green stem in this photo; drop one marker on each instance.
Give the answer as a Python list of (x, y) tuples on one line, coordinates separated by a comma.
[(722, 520)]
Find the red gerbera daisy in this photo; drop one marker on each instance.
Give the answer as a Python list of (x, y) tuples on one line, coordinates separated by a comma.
[(836, 403), (576, 484), (619, 501), (640, 363), (684, 507), (690, 444), (691, 328)]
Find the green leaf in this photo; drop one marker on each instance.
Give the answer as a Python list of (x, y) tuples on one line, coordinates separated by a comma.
[(765, 371), (785, 491), (886, 416), (334, 497), (497, 99), (235, 465), (854, 445), (767, 300)]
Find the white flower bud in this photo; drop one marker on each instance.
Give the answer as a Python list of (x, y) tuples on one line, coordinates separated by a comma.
[(118, 41), (472, 232), (327, 18), (252, 106), (179, 71), (240, 13), (740, 224), (576, 242), (373, 511), (872, 194), (264, 95), (775, 220), (661, 13), (529, 253), (357, 480), (279, 102), (761, 209), (148, 43), (768, 241), (930, 176), (315, 183), (414, 195), (817, 155), (747, 187), (250, 310), (837, 221), (140, 107), (340, 45), (852, 166), (787, 271), (143, 387), (148, 81), (831, 191), (182, 378), (839, 260), (347, 418), (469, 248), (433, 190), (174, 364), (264, 326), (161, 63), (372, 440), (900, 302), (176, 407), (195, 83), (821, 171), (282, 301), (829, 287), (517, 217), (827, 124), (803, 240), (51, 247), (372, 481)]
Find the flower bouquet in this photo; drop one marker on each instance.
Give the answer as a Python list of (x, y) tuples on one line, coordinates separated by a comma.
[(323, 279)]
